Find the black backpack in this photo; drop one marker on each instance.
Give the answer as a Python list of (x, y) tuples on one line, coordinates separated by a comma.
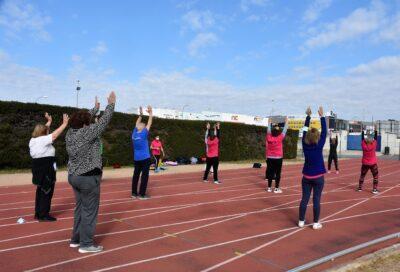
[(256, 165)]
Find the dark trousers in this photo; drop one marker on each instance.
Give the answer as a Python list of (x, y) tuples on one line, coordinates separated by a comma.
[(43, 201), (214, 162), (333, 157), (87, 198), (374, 171), (274, 169), (308, 185), (141, 168), (157, 161)]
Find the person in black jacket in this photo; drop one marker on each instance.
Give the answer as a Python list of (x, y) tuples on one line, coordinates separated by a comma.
[(333, 153), (44, 166)]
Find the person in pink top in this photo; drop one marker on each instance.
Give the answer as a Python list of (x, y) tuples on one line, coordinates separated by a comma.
[(369, 160), (156, 150), (212, 139), (274, 155)]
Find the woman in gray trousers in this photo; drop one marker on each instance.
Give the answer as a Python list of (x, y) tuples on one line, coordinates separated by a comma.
[(84, 171)]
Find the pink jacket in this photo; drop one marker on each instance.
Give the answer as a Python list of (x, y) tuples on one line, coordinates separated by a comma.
[(274, 146), (369, 155)]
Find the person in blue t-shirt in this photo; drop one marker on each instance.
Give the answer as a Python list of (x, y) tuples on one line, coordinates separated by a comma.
[(141, 154)]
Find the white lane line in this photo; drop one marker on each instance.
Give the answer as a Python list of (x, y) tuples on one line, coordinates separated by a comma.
[(288, 234)]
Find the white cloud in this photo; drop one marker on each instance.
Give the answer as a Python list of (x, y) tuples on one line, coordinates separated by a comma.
[(246, 4), (313, 12), (374, 86), (201, 41), (100, 49), (391, 31), (360, 22), (198, 20), (18, 16)]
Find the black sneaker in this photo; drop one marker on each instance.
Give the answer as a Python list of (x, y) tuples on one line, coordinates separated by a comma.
[(144, 197), (47, 219)]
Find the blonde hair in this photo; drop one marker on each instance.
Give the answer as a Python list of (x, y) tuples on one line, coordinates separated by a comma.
[(39, 130), (312, 136)]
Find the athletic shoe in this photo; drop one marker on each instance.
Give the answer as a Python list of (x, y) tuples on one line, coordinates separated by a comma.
[(156, 170), (329, 171), (47, 219), (269, 189), (204, 180), (134, 196), (217, 182), (74, 245), (375, 191), (359, 189), (278, 191), (90, 249), (301, 224), (145, 197), (337, 172), (317, 226)]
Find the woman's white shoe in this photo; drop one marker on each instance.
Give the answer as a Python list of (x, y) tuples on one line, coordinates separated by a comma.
[(317, 226), (301, 224)]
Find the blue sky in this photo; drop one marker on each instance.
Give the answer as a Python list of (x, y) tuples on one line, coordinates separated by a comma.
[(230, 56)]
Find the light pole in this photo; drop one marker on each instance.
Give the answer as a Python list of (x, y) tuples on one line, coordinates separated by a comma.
[(78, 88), (40, 97), (183, 108)]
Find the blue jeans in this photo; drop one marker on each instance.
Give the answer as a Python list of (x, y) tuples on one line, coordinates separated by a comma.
[(308, 185)]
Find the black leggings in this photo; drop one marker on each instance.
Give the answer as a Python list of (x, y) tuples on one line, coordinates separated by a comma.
[(375, 173), (141, 167), (274, 169), (157, 161), (214, 162), (43, 201), (334, 158)]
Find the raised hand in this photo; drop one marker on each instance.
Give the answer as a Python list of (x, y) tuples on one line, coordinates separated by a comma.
[(218, 125), (112, 98), (308, 111), (48, 117), (286, 119), (208, 126), (149, 110), (140, 110), (97, 103), (320, 111), (65, 119)]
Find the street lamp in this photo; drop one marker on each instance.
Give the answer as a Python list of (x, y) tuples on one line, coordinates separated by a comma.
[(183, 108), (40, 97), (78, 88)]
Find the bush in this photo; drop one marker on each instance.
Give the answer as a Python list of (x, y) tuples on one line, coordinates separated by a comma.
[(180, 138)]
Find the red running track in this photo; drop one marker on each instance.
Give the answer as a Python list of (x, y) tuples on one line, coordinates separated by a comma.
[(189, 225)]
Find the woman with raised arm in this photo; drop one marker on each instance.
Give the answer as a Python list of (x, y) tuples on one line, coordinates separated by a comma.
[(44, 166), (141, 153), (157, 149), (85, 171), (274, 154), (369, 160), (212, 138), (314, 167), (333, 143)]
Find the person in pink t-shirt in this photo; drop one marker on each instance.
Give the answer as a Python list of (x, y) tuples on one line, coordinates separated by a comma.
[(156, 150), (369, 160), (274, 155), (212, 139)]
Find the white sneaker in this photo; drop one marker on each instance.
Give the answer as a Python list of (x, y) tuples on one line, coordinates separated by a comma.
[(217, 182), (90, 249), (375, 191), (204, 180), (317, 226), (278, 191), (269, 190), (301, 224), (74, 245)]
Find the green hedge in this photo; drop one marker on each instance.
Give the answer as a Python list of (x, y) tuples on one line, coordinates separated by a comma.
[(180, 138)]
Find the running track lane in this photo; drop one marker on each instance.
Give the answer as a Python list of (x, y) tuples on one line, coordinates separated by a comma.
[(191, 226)]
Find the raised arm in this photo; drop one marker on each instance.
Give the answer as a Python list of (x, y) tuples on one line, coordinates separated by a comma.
[(150, 121), (139, 119), (337, 141), (285, 128), (207, 132), (217, 130), (362, 133), (61, 128), (322, 139), (306, 123), (96, 108), (49, 121)]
